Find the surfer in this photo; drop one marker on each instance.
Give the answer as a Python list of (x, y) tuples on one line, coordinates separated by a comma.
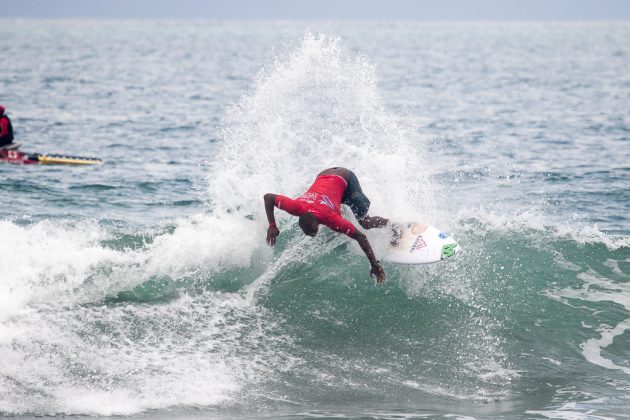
[(321, 204), (6, 129)]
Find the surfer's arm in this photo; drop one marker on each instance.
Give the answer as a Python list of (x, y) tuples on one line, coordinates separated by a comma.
[(270, 202), (272, 230), (376, 270)]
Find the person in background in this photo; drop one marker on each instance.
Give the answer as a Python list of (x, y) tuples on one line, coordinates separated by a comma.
[(6, 129)]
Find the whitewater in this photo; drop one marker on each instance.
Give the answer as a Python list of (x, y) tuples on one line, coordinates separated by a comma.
[(144, 287)]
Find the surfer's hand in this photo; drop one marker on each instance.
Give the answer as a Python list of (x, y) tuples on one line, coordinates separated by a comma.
[(272, 234), (378, 271)]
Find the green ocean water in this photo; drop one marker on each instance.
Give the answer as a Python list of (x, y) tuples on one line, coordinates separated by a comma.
[(144, 288)]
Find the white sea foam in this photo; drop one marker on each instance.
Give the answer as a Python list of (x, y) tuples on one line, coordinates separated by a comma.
[(47, 262), (573, 411), (536, 221), (62, 354), (120, 360), (605, 290), (59, 263)]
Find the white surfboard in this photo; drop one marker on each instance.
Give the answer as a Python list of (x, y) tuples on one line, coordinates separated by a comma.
[(421, 244)]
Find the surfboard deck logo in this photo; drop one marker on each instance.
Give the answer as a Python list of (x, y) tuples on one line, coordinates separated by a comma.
[(417, 244)]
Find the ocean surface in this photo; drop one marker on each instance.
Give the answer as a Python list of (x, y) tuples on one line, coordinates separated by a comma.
[(144, 287)]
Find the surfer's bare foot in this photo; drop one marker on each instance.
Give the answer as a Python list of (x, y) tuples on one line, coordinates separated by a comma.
[(396, 234)]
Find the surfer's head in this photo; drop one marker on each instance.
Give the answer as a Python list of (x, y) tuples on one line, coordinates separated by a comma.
[(1, 110), (309, 224)]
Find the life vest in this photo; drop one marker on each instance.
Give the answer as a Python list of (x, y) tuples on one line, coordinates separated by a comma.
[(6, 138)]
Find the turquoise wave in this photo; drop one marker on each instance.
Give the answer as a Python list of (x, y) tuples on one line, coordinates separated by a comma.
[(492, 325)]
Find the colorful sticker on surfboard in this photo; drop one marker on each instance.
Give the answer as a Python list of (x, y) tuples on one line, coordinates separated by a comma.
[(449, 250)]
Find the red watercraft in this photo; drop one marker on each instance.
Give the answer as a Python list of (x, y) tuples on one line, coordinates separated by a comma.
[(13, 155)]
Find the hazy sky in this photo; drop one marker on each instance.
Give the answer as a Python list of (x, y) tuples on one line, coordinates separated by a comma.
[(323, 9)]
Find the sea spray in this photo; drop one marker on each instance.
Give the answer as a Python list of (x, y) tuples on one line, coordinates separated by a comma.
[(320, 106), (317, 107)]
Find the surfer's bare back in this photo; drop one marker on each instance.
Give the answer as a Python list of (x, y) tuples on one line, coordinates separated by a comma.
[(321, 204)]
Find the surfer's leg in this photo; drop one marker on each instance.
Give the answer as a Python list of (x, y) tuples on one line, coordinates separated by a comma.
[(371, 222), (360, 204), (354, 198)]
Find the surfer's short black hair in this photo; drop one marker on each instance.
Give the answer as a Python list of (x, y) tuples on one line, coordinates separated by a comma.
[(309, 224)]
